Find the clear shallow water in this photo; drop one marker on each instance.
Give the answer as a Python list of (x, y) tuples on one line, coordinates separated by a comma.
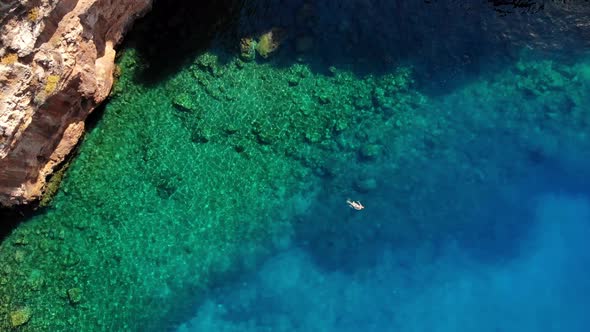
[(210, 193)]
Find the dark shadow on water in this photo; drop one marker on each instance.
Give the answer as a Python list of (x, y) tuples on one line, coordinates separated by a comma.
[(174, 32), (441, 39), (10, 219), (94, 118)]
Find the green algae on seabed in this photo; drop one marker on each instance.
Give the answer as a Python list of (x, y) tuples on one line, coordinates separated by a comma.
[(200, 176), (181, 183)]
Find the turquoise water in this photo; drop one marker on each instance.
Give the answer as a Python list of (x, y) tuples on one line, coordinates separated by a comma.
[(422, 288), (210, 192)]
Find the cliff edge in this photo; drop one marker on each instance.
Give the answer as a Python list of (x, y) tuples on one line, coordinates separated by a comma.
[(56, 66)]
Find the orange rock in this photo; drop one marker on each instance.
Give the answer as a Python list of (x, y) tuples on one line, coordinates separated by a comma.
[(270, 41), (50, 82), (247, 48)]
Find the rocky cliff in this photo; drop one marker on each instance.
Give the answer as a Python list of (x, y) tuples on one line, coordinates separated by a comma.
[(56, 66)]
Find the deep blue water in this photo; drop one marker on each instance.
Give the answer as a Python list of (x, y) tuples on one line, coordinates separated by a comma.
[(532, 277), (515, 254)]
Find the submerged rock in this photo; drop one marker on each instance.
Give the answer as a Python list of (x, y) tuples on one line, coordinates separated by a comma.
[(56, 66), (74, 295), (370, 152), (365, 184), (20, 316)]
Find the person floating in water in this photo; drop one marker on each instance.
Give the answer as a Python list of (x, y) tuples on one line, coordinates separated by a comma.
[(355, 204)]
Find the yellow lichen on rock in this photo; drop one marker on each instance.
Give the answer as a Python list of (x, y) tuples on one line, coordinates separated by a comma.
[(51, 83), (269, 42), (9, 59), (33, 14)]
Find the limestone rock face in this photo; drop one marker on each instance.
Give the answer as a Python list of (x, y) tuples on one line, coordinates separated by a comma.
[(56, 66)]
